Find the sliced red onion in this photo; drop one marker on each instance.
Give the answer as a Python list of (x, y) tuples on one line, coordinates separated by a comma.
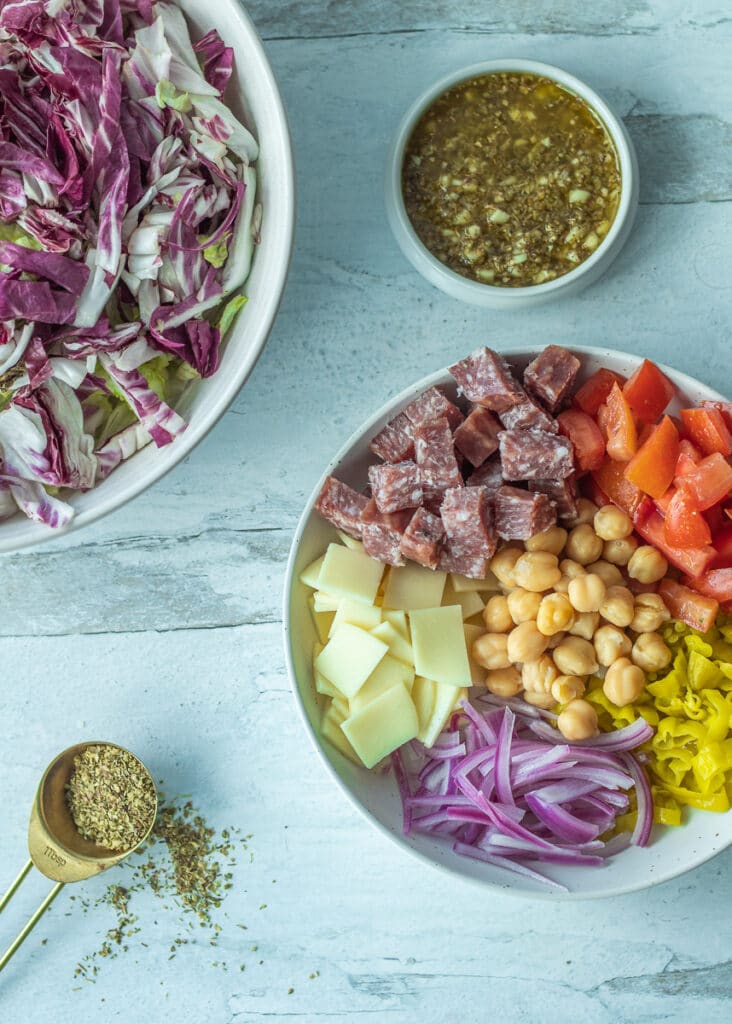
[(503, 759), (508, 865), (621, 740), (644, 821), (562, 823)]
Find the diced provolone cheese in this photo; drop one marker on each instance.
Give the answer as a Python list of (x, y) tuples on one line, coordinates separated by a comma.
[(309, 575), (350, 542), (423, 695), (462, 584), (347, 572), (383, 725), (330, 727), (469, 600), (438, 644), (321, 620), (389, 672), (349, 658), (477, 673), (398, 620), (447, 698), (398, 646), (323, 602), (357, 613), (413, 586)]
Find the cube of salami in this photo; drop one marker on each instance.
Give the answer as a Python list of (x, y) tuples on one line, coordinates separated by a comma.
[(395, 486), (467, 516), (486, 379), (477, 436), (341, 506), (382, 532), (551, 376), (395, 441), (522, 514), (435, 455), (535, 455), (431, 405), (528, 414), (562, 492), (488, 475), (423, 539)]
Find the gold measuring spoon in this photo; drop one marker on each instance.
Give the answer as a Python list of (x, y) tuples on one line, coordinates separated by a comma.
[(55, 846)]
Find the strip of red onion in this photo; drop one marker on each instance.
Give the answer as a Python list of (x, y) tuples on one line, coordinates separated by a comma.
[(644, 819)]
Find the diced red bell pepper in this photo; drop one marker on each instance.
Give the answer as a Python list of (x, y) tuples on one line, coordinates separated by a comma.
[(619, 426), (653, 466), (595, 390), (648, 392), (684, 526), (649, 524), (688, 605), (714, 583), (584, 433), (708, 430), (709, 482), (610, 479)]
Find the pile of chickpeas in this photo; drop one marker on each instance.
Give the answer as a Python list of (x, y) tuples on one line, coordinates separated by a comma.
[(565, 613)]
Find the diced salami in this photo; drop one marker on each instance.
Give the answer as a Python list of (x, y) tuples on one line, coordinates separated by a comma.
[(423, 539), (395, 442), (467, 516), (551, 376), (435, 455), (535, 455), (486, 379), (477, 436), (454, 559), (396, 486), (562, 492), (488, 475), (431, 405), (382, 532), (528, 414), (341, 506), (521, 514)]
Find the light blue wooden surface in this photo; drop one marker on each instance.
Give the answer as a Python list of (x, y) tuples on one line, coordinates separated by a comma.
[(160, 626)]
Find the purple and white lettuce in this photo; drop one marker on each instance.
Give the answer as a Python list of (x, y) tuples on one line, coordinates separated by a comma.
[(127, 225)]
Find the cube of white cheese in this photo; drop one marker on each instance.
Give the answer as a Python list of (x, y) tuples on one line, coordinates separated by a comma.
[(347, 572), (398, 646), (477, 672), (349, 658), (464, 584), (350, 542), (469, 600), (383, 725), (323, 602), (321, 620), (447, 698), (413, 586), (330, 728), (438, 644), (357, 613), (398, 620), (423, 695), (387, 673), (309, 575)]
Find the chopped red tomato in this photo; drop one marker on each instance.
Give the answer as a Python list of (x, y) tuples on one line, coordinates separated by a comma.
[(594, 391), (689, 457), (723, 545), (714, 583), (709, 482), (653, 466), (619, 425), (649, 524), (690, 607), (584, 433), (648, 392), (609, 478), (724, 407), (708, 430), (684, 525)]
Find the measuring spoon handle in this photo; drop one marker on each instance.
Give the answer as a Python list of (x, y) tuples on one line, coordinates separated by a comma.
[(32, 921)]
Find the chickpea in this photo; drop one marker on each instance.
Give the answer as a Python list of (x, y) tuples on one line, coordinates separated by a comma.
[(504, 682), (525, 643), (583, 544), (496, 616), (608, 573), (502, 565), (539, 700), (578, 721), (570, 570), (611, 643), (650, 653), (586, 512), (647, 565), (554, 615), (619, 552), (523, 605), (552, 540), (612, 523), (567, 688), (585, 625), (555, 641), (618, 606), (490, 650), (538, 676), (586, 593), (575, 657), (650, 613), (537, 571), (624, 682)]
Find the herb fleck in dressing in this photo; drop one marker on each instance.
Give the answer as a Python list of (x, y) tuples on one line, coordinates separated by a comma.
[(510, 180)]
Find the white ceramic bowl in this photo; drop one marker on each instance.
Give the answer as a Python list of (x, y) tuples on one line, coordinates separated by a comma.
[(672, 850), (496, 297), (253, 94)]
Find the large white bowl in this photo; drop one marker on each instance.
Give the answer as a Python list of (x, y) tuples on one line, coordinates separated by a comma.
[(253, 95), (672, 850)]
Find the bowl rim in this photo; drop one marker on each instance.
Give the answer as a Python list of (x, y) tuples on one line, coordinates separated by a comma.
[(476, 291), (34, 533), (683, 381)]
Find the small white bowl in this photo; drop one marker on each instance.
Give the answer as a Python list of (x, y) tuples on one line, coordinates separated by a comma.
[(672, 850), (496, 297), (254, 95)]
